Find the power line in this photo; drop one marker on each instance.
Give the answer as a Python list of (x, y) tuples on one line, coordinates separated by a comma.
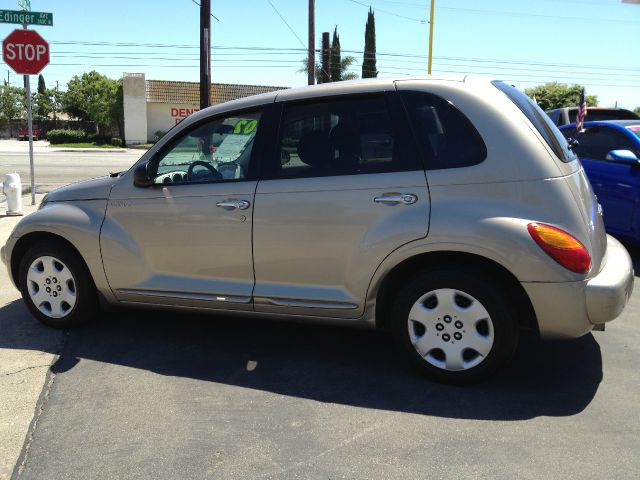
[(419, 20), (285, 22), (534, 15), (360, 52), (212, 15), (144, 56)]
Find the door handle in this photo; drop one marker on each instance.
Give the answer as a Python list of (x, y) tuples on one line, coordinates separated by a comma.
[(403, 198), (238, 204)]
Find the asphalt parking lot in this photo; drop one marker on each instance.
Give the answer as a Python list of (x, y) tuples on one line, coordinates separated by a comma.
[(140, 394), (162, 395)]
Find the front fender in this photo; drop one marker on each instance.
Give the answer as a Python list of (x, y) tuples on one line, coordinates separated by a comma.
[(77, 222)]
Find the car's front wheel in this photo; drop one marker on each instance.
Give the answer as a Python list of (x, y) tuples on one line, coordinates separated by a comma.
[(57, 286), (455, 324)]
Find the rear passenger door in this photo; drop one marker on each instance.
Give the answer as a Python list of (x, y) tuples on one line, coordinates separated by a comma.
[(344, 188)]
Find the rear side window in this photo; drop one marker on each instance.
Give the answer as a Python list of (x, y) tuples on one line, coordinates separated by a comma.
[(540, 121), (446, 137), (341, 136)]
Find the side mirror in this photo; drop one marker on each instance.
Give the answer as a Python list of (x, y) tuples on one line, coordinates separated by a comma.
[(626, 157), (142, 177)]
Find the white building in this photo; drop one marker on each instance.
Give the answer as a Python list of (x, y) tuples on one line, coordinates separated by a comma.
[(152, 106)]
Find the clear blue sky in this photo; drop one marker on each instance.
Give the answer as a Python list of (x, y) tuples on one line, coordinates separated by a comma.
[(591, 42)]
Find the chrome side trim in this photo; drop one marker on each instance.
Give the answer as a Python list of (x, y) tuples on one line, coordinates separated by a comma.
[(288, 302), (211, 297)]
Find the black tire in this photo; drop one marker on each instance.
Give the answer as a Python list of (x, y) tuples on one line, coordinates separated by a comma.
[(502, 327), (86, 305)]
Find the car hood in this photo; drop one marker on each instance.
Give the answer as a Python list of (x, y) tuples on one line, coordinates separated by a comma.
[(94, 189)]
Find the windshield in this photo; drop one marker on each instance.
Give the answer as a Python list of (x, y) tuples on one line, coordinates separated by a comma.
[(540, 121)]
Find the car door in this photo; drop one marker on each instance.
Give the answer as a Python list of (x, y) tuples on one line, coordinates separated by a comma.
[(615, 184), (186, 239), (343, 189)]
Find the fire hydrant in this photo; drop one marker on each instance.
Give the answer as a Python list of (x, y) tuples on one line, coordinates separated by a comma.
[(12, 188)]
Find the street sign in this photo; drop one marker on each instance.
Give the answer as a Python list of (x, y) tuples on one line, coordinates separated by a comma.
[(25, 51), (26, 18)]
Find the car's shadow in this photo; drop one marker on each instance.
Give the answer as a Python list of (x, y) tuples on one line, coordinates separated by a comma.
[(328, 364)]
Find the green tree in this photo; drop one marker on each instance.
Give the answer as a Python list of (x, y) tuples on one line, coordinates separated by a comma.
[(558, 95), (41, 85), (336, 74), (42, 104), (369, 69), (92, 97), (636, 110), (117, 109), (11, 104)]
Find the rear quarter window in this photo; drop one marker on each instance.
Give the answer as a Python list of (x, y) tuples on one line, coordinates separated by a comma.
[(447, 139), (540, 120)]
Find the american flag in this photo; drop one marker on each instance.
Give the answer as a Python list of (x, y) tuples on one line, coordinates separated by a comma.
[(582, 112)]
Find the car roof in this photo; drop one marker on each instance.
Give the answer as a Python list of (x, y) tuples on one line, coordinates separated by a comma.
[(367, 85), (612, 109), (620, 123)]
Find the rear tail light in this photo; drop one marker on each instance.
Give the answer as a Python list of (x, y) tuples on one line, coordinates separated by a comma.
[(562, 247)]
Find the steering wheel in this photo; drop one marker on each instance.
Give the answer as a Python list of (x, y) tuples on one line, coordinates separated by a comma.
[(212, 173)]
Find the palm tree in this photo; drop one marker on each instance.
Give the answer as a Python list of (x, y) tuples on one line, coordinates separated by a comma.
[(345, 63)]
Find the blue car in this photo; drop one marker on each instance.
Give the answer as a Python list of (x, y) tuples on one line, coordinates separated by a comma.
[(610, 153)]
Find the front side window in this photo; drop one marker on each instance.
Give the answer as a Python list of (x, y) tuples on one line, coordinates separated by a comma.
[(595, 142), (339, 137), (218, 150)]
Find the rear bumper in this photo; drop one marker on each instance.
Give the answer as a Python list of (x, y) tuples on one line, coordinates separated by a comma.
[(610, 290), (571, 309)]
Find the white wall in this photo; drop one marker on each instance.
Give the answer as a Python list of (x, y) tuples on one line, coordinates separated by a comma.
[(163, 116), (135, 108)]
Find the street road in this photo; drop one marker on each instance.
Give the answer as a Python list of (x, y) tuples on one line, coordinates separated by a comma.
[(57, 167)]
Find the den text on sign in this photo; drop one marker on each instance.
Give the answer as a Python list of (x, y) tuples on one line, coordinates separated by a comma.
[(29, 18)]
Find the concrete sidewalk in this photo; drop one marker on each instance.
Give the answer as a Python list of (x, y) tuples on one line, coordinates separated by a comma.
[(42, 146), (23, 372)]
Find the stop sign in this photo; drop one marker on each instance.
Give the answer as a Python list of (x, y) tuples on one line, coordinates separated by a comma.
[(25, 51)]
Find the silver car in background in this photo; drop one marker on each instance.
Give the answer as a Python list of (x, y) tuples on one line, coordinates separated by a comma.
[(450, 212)]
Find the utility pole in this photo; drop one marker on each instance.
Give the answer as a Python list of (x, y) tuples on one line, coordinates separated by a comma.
[(326, 58), (55, 107), (8, 73), (205, 53), (430, 37), (311, 54)]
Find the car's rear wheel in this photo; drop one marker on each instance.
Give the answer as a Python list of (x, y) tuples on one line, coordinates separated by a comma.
[(57, 286), (455, 324)]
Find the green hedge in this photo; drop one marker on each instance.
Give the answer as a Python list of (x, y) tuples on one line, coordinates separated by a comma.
[(116, 142), (66, 136), (99, 139)]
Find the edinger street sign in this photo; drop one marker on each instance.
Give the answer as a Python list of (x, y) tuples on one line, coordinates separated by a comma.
[(29, 18), (25, 51)]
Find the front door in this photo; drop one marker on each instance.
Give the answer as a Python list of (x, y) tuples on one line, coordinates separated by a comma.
[(186, 240)]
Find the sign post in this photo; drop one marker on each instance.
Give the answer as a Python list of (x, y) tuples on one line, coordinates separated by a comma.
[(27, 53)]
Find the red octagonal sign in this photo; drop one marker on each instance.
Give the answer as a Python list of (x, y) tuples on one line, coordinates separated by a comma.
[(26, 52)]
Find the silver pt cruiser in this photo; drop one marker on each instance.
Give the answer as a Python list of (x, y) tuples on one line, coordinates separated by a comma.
[(450, 212)]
